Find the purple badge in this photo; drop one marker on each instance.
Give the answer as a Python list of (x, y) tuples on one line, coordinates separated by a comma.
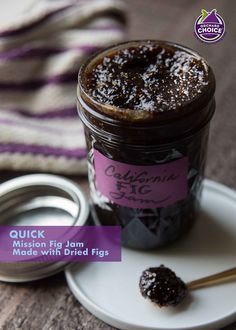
[(209, 26)]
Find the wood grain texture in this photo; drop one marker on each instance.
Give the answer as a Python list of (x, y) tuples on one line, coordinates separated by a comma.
[(48, 304)]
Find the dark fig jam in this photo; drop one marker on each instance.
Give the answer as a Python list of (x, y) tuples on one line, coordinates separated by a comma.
[(146, 108), (161, 286), (147, 77)]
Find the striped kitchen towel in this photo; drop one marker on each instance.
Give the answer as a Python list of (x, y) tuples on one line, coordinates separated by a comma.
[(42, 44)]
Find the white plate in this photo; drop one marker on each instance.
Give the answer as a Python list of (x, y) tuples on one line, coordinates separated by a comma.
[(110, 290)]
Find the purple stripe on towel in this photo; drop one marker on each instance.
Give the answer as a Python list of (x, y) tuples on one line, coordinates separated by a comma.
[(34, 84), (52, 114), (34, 24), (29, 52), (43, 150)]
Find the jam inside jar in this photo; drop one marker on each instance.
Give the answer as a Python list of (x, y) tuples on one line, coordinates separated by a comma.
[(146, 108)]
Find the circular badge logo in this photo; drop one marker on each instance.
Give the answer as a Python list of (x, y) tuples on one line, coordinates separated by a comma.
[(209, 26)]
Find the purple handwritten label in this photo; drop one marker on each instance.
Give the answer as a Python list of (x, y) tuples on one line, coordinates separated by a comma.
[(149, 186)]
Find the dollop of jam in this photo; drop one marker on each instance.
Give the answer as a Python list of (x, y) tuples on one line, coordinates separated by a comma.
[(162, 286), (148, 77)]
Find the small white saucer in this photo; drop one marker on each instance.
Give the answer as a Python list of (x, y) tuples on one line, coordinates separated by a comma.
[(110, 290)]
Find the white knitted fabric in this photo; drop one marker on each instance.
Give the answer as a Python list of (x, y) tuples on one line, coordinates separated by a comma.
[(42, 45)]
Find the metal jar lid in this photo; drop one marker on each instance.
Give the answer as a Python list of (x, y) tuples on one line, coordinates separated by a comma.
[(39, 200)]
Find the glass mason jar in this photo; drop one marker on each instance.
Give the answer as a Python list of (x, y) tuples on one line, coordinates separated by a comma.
[(145, 174)]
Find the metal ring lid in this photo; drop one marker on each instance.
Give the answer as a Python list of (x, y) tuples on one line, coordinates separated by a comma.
[(39, 200)]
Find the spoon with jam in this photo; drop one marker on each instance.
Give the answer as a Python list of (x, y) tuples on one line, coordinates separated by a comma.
[(164, 288)]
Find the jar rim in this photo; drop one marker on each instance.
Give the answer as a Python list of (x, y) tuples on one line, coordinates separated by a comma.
[(126, 115)]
